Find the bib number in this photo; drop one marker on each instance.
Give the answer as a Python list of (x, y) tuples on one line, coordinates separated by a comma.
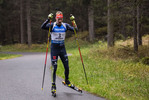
[(58, 36)]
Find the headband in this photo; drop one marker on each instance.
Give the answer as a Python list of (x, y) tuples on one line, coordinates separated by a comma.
[(59, 16)]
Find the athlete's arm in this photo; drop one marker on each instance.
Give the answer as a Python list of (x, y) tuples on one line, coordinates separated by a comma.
[(46, 25), (70, 27)]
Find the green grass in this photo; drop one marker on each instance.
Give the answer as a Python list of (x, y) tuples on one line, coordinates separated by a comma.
[(24, 48), (115, 73), (8, 56)]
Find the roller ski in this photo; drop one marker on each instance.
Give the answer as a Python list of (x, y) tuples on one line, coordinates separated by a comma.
[(68, 84), (53, 90)]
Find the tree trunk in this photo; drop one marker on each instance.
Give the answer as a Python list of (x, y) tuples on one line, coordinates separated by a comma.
[(134, 27), (110, 25), (21, 21), (123, 27), (28, 23), (139, 25), (91, 22)]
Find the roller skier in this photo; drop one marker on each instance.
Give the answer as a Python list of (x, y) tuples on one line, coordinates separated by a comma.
[(58, 31)]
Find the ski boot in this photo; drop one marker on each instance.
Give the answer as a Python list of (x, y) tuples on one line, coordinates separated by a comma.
[(68, 84), (53, 89)]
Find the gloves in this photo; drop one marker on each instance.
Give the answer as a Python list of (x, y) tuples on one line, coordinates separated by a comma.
[(72, 17), (50, 16)]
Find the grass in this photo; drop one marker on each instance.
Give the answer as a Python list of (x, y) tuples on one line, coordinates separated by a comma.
[(115, 73), (8, 56), (20, 48), (24, 48)]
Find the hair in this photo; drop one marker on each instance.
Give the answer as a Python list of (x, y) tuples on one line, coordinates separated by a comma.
[(59, 12)]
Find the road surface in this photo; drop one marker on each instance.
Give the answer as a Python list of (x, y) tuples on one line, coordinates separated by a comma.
[(21, 78)]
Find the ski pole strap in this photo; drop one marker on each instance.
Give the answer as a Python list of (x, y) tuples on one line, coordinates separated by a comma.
[(74, 23)]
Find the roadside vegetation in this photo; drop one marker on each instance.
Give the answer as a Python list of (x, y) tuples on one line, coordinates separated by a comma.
[(23, 48), (116, 73), (7, 56)]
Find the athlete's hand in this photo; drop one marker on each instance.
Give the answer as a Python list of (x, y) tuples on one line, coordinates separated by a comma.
[(50, 16), (72, 17)]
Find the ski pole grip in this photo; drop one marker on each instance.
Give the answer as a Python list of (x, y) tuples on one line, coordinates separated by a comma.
[(72, 17), (50, 16)]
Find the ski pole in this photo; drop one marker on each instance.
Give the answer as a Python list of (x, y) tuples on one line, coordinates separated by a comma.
[(46, 54), (72, 18)]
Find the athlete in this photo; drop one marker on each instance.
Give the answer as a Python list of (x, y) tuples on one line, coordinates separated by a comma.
[(58, 32)]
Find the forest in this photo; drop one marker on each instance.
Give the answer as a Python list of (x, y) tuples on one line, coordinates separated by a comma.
[(108, 20), (109, 57)]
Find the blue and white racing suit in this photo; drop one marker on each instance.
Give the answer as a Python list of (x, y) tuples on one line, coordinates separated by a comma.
[(58, 33)]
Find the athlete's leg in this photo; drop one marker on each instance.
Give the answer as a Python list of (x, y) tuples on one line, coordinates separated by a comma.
[(54, 58), (64, 58)]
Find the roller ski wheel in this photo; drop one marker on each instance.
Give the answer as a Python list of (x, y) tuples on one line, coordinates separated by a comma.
[(72, 87), (54, 93), (79, 90), (53, 90)]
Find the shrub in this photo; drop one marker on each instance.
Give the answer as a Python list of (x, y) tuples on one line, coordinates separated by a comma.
[(102, 31), (145, 60)]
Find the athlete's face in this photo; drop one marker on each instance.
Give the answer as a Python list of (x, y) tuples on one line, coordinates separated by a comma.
[(59, 21)]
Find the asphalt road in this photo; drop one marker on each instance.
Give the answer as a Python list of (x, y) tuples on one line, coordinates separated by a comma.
[(21, 78)]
